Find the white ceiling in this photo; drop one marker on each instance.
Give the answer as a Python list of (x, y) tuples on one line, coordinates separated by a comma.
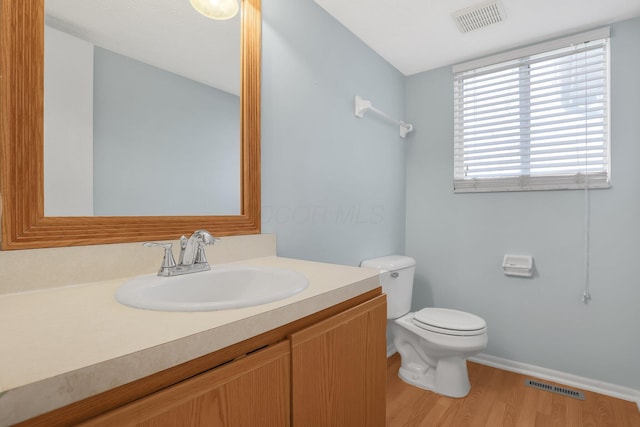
[(419, 35), (412, 35), (168, 34)]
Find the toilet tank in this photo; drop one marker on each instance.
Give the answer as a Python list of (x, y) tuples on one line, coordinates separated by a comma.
[(396, 278)]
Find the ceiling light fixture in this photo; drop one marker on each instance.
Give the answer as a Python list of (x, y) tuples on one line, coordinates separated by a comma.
[(216, 9)]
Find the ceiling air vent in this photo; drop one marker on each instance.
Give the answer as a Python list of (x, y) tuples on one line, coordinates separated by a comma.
[(479, 16)]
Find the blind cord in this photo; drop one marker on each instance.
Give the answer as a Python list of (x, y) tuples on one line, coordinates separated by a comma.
[(586, 295)]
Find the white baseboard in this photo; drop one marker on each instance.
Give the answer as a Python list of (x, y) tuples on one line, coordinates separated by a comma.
[(596, 386)]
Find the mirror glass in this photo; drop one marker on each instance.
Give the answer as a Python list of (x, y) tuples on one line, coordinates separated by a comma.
[(142, 110)]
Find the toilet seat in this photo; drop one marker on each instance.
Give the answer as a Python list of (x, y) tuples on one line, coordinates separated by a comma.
[(449, 322)]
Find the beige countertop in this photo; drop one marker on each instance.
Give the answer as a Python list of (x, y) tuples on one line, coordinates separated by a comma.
[(61, 345)]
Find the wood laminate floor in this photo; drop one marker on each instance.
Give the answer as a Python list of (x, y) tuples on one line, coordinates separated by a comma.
[(500, 398)]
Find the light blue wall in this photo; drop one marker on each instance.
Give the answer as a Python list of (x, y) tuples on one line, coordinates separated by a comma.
[(193, 131), (458, 240), (332, 184)]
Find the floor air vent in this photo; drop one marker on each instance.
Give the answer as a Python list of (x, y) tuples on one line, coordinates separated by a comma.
[(555, 389)]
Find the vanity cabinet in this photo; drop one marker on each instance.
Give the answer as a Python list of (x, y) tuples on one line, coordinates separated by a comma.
[(326, 369), (251, 391), (339, 369)]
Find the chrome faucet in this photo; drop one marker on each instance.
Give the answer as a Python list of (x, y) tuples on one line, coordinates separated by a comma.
[(192, 254)]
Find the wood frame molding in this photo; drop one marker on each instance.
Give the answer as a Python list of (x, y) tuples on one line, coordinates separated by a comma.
[(22, 142)]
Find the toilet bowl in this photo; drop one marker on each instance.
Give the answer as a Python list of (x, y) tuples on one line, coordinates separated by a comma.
[(434, 343), (437, 360)]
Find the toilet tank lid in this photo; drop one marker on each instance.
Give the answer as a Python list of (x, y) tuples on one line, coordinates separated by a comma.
[(391, 262)]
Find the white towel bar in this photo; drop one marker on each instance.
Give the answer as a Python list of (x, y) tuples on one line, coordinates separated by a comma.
[(363, 105)]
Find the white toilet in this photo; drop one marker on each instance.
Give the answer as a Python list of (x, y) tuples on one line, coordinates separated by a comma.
[(433, 343)]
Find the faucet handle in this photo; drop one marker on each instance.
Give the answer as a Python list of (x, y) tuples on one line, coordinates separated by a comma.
[(205, 239), (168, 261)]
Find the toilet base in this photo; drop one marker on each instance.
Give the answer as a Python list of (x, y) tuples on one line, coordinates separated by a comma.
[(417, 375), (449, 378)]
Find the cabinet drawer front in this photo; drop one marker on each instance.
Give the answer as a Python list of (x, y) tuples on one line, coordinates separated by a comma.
[(250, 391), (339, 369)]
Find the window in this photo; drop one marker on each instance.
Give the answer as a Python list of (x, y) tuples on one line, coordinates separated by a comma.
[(535, 118)]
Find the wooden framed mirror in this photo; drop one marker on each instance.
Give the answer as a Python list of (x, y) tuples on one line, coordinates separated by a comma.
[(24, 224)]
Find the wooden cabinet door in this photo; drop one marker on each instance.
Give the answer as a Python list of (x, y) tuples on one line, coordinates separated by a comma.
[(339, 369), (251, 391)]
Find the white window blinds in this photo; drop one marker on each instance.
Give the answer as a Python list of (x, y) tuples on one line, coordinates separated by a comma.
[(535, 118)]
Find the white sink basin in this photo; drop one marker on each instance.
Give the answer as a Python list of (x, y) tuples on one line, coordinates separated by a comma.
[(222, 287)]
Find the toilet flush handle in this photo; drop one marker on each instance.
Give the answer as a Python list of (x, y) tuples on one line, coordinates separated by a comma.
[(394, 274)]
